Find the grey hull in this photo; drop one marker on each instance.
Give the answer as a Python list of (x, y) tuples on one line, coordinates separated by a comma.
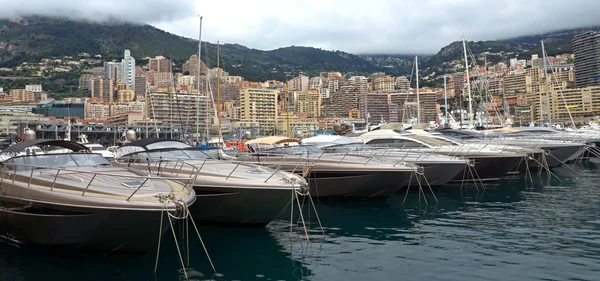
[(105, 230), (439, 174), (241, 207), (371, 185)]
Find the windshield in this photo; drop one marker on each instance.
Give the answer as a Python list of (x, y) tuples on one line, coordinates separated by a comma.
[(172, 154), (59, 160), (167, 144), (294, 150), (347, 147), (432, 141)]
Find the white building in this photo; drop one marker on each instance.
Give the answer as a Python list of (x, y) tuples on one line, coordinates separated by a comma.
[(34, 88), (315, 83), (112, 70), (361, 83), (300, 83), (128, 70)]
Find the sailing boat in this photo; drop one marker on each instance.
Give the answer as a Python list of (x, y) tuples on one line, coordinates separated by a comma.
[(217, 142)]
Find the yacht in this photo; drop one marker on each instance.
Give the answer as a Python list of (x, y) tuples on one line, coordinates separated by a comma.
[(561, 145), (332, 174), (100, 149), (438, 169), (555, 152), (78, 199), (489, 164), (227, 193)]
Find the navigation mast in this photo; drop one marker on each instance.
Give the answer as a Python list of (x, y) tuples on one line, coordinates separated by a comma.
[(418, 100), (468, 83), (199, 83), (219, 97)]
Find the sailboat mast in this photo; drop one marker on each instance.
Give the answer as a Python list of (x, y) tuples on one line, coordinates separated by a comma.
[(547, 84), (218, 96), (287, 109), (199, 82), (445, 99), (418, 100), (468, 83)]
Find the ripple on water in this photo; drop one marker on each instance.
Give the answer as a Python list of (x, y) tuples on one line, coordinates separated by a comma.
[(548, 232)]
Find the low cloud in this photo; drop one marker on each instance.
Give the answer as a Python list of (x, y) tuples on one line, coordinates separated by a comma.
[(356, 26), (94, 10)]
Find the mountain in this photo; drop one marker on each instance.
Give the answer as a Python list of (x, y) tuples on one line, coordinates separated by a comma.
[(555, 43), (32, 38)]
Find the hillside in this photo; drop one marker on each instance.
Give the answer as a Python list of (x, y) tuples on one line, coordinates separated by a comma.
[(33, 38), (556, 43), (38, 37)]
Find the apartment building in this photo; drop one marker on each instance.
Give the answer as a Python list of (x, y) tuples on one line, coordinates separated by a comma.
[(259, 105)]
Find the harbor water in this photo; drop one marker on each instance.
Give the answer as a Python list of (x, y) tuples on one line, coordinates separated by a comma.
[(520, 228)]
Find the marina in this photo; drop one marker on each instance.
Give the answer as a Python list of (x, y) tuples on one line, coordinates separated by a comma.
[(545, 231), (318, 208), (304, 164)]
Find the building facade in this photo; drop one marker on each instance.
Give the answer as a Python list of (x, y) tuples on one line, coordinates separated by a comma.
[(259, 105), (60, 109), (180, 110), (128, 70), (103, 89), (586, 48), (21, 95)]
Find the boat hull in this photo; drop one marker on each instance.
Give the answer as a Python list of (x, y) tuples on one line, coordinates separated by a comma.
[(89, 228), (438, 174), (489, 168), (239, 207), (371, 185)]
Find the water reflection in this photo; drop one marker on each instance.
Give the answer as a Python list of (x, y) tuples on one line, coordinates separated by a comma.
[(514, 229)]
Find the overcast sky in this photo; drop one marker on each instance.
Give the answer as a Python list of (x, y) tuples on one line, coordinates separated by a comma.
[(356, 26)]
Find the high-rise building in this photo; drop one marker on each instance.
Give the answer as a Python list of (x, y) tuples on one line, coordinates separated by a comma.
[(84, 81), (96, 109), (171, 109), (112, 70), (315, 83), (300, 83), (402, 84), (102, 89), (458, 83), (334, 84), (309, 102), (408, 108), (581, 104), (342, 102), (159, 64), (375, 107), (141, 85), (361, 83), (125, 95), (586, 48), (259, 105), (128, 70), (383, 83)]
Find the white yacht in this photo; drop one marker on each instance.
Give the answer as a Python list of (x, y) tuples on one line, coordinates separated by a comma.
[(99, 149)]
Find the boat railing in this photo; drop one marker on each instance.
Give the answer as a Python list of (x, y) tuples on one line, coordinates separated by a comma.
[(177, 165), (275, 161), (10, 172)]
